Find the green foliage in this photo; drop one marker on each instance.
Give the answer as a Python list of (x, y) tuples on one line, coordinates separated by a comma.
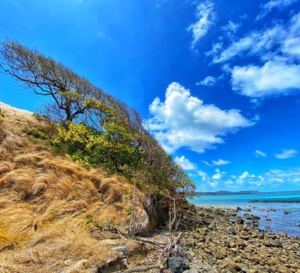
[(89, 221), (111, 149), (129, 210), (94, 129)]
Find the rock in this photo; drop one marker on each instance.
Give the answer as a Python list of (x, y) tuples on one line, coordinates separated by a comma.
[(233, 267), (121, 249), (283, 269), (255, 259), (271, 262), (287, 212), (237, 259), (200, 267), (231, 230), (176, 264), (274, 243), (240, 220)]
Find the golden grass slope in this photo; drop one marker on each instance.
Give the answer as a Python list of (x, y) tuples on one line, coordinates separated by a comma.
[(50, 205)]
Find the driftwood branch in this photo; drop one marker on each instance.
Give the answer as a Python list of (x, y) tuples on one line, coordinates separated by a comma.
[(156, 243), (169, 248), (141, 269)]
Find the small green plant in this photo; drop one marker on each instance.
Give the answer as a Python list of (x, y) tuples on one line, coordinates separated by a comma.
[(89, 221), (129, 211), (128, 195)]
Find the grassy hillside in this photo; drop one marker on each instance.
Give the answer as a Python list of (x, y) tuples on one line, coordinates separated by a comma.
[(54, 212)]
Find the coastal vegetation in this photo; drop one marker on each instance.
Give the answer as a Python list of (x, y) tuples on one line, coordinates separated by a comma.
[(85, 167)]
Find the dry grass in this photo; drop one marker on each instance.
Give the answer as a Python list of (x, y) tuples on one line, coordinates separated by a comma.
[(45, 202)]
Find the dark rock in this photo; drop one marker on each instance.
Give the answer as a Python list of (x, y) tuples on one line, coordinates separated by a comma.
[(231, 230), (176, 264), (240, 221)]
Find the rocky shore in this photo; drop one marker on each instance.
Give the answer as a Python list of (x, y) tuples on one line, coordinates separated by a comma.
[(229, 243), (218, 240)]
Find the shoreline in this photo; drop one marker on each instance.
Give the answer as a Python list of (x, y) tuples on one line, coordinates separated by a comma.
[(222, 239)]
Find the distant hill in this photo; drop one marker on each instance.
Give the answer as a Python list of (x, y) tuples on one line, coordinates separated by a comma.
[(241, 192), (228, 192)]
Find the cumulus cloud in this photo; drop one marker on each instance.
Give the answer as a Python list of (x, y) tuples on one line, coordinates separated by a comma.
[(273, 78), (206, 17), (260, 153), (272, 179), (185, 121), (286, 154), (267, 7), (208, 81), (186, 164), (278, 49)]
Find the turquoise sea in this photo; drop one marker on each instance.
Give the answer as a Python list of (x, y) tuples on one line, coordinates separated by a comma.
[(275, 217)]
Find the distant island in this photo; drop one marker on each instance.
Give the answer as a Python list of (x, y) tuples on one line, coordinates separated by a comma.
[(228, 192), (240, 192)]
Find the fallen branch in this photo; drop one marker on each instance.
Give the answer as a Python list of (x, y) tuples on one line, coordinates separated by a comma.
[(141, 269), (157, 243), (169, 248)]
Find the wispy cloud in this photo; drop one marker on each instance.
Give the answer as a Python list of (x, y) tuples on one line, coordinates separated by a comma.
[(185, 121), (186, 164), (260, 153), (256, 43), (220, 162), (277, 47), (286, 154), (206, 17), (208, 81), (230, 29), (267, 7)]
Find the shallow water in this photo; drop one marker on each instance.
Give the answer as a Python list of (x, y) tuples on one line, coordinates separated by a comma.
[(273, 216)]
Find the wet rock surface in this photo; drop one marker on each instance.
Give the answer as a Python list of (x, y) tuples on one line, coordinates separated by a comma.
[(235, 246), (218, 240)]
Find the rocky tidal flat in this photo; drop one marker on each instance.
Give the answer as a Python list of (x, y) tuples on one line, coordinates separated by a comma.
[(226, 242)]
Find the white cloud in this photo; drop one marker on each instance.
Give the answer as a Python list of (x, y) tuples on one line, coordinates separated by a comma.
[(291, 45), (267, 7), (186, 164), (260, 153), (230, 29), (273, 78), (286, 154), (270, 181), (185, 121), (220, 162), (205, 16), (208, 81), (256, 43), (277, 47), (218, 175)]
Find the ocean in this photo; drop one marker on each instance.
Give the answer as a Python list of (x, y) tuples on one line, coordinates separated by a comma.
[(274, 217)]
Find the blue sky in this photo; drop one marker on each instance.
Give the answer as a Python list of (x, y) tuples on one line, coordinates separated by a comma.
[(217, 82)]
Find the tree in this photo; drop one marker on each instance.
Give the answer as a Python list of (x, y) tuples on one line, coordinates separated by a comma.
[(97, 129), (71, 93)]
